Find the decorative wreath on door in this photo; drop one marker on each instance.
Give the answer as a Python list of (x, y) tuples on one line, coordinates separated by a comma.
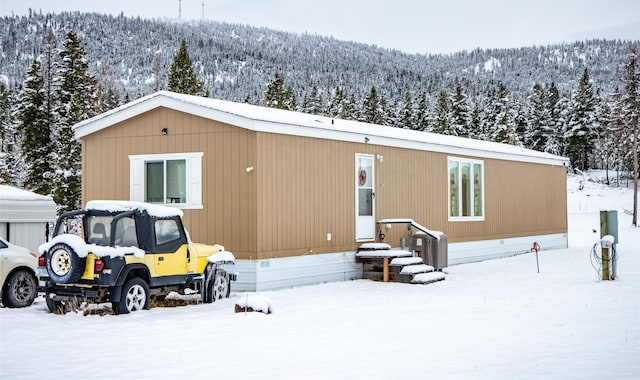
[(362, 177)]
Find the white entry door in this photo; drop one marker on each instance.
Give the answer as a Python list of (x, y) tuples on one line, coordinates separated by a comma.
[(365, 196)]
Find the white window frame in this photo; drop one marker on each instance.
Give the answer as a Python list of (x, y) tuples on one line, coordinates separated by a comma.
[(459, 217), (137, 176)]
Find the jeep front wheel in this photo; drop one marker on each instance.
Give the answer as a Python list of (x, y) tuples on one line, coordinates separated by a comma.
[(221, 286), (64, 266), (216, 286), (135, 296)]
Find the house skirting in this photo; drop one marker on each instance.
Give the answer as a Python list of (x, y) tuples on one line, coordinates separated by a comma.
[(271, 274)]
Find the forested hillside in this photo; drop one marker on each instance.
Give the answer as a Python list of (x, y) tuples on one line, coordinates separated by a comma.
[(236, 61), (575, 99)]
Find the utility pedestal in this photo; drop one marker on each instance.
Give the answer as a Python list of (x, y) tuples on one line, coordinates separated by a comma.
[(608, 226)]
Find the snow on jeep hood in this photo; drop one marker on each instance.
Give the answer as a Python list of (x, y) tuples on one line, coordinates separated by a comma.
[(158, 211), (82, 249), (221, 256)]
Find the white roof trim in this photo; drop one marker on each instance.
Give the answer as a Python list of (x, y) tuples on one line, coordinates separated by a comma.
[(271, 120)]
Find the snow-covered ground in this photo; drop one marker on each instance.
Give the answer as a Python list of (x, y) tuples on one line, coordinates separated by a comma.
[(496, 319)]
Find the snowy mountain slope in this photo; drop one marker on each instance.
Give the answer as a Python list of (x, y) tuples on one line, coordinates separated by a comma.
[(236, 61), (496, 319)]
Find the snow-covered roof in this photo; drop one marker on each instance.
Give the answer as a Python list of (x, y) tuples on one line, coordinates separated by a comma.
[(272, 120), (123, 206), (18, 205), (16, 194)]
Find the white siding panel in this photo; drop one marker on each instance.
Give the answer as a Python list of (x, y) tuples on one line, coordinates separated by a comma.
[(270, 274), (460, 253)]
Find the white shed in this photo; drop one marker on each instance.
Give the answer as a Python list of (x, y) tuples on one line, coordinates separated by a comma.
[(24, 217)]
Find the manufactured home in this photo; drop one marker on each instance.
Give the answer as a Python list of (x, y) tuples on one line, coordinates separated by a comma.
[(294, 195)]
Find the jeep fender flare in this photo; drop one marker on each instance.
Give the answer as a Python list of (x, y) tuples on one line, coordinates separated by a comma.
[(138, 270)]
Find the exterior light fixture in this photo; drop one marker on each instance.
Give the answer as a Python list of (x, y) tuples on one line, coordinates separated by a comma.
[(164, 131)]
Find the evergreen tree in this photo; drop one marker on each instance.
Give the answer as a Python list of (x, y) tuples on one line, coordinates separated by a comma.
[(336, 104), (580, 133), (553, 123), (422, 113), (616, 129), (605, 147), (350, 109), (630, 100), (77, 102), (406, 118), (11, 167), (460, 112), (313, 103), (33, 125), (387, 112), (535, 134), (182, 77), (276, 96), (475, 122), (290, 101), (504, 125), (372, 109), (442, 122)]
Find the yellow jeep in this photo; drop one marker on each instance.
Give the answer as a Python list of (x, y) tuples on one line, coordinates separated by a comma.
[(126, 253)]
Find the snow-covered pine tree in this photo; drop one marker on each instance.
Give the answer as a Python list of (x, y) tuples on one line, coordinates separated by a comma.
[(442, 122), (350, 111), (504, 127), (393, 114), (336, 104), (605, 147), (422, 113), (617, 130), (460, 111), (33, 124), (630, 77), (313, 103), (553, 125), (387, 111), (580, 133), (475, 122), (534, 136), (182, 77), (372, 108), (406, 118), (276, 96), (76, 102), (11, 164), (290, 101)]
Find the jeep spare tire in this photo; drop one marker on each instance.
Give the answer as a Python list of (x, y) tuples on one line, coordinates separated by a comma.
[(63, 264)]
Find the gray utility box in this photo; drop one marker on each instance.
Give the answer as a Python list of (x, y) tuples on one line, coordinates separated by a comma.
[(433, 251)]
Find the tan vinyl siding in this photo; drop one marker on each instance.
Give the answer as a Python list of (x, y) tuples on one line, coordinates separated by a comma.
[(307, 190), (303, 188), (229, 195)]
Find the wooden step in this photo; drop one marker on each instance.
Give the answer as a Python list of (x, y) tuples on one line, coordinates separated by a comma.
[(377, 256), (418, 268), (427, 278), (374, 247), (403, 261), (382, 253)]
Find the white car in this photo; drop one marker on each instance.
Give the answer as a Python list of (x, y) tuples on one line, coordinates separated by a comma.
[(17, 275)]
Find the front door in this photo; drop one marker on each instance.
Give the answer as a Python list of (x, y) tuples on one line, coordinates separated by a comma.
[(365, 196)]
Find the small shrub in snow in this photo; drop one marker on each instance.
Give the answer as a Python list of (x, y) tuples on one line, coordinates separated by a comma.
[(253, 302)]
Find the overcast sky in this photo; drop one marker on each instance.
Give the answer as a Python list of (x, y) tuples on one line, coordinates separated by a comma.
[(413, 26)]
